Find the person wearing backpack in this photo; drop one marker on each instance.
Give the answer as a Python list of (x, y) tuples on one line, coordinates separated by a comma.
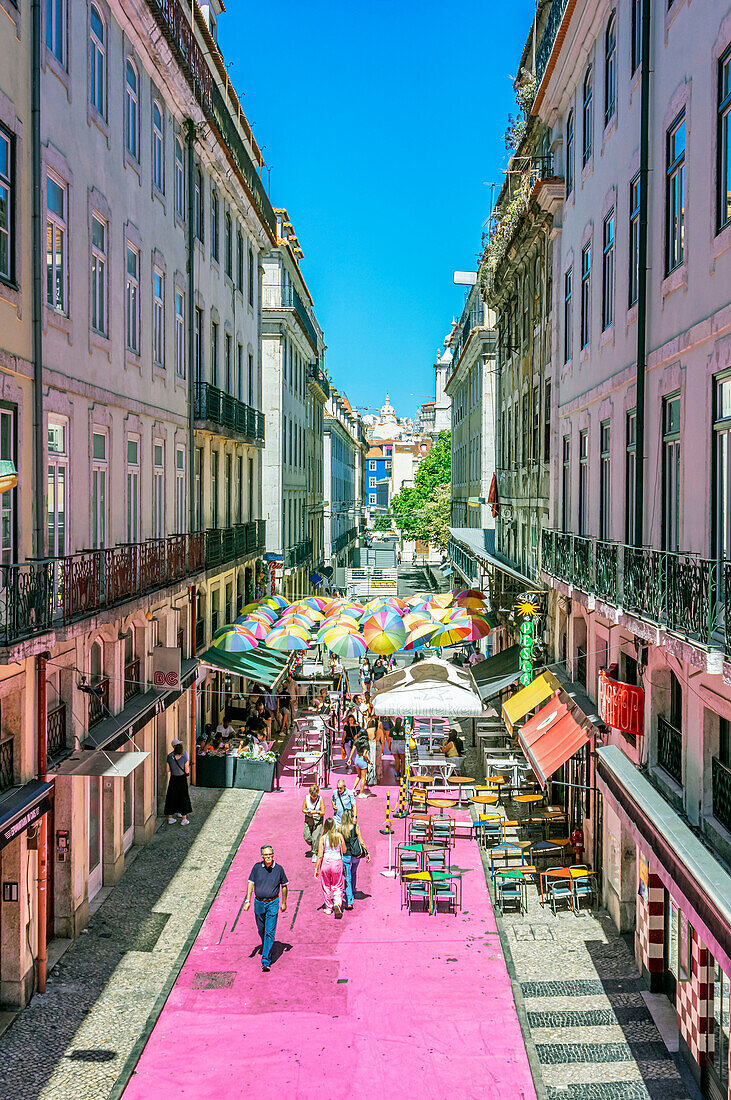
[(355, 850)]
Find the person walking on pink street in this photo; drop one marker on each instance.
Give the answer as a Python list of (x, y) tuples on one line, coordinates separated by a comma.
[(330, 852)]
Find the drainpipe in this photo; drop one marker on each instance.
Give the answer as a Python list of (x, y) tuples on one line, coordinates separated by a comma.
[(190, 249), (39, 525), (41, 746), (642, 277), (193, 686)]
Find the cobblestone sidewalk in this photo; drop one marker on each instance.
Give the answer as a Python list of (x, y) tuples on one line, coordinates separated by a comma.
[(72, 1043), (594, 1036)]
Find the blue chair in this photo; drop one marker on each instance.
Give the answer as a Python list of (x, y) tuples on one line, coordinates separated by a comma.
[(583, 888), (509, 893), (559, 892), (488, 829), (505, 852), (417, 892)]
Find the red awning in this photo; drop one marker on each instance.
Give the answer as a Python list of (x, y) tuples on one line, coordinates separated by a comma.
[(492, 497), (553, 735)]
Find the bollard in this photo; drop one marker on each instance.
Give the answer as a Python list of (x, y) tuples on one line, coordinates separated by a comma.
[(387, 828)]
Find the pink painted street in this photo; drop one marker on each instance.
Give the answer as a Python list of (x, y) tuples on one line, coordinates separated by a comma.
[(376, 1003)]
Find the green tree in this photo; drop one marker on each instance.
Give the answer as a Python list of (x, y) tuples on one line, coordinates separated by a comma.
[(421, 511), (382, 523)]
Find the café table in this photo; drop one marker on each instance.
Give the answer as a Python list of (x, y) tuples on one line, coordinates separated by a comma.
[(562, 873), (432, 878), (527, 799), (422, 780), (443, 765), (442, 804), (420, 849), (460, 781)]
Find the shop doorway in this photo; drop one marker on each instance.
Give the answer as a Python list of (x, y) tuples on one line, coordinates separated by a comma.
[(717, 1075), (94, 818), (128, 811)]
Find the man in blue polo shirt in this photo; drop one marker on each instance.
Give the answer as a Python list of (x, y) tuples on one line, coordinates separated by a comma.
[(264, 883)]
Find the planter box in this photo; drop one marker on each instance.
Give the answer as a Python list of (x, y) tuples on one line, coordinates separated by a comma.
[(254, 775), (215, 771)]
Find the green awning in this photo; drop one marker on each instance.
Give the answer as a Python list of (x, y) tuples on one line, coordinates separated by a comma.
[(267, 666)]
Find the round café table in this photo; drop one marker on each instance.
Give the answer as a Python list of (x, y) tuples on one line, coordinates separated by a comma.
[(460, 781), (442, 804), (562, 873), (422, 780), (527, 799), (484, 799)]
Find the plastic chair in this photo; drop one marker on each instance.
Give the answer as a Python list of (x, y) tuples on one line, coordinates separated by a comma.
[(560, 891), (438, 861), (505, 852), (445, 892), (416, 891), (509, 893), (583, 888), (418, 831), (489, 829), (442, 831)]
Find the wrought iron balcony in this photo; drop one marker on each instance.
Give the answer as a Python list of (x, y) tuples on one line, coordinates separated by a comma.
[(99, 702), (224, 411), (56, 732), (175, 24), (670, 749), (316, 375), (464, 561), (344, 539), (229, 544), (721, 792), (132, 685), (7, 768), (298, 554), (548, 37), (288, 297), (681, 593)]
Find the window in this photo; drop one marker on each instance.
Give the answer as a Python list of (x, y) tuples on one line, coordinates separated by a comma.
[(240, 485), (98, 275), (585, 294), (214, 488), (58, 453), (133, 489), (251, 276), (371, 498), (132, 110), (198, 343), (132, 300), (8, 500), (179, 180), (251, 379), (240, 262), (198, 487), (97, 62), (723, 214), (547, 422), (158, 489), (158, 318), (56, 29), (636, 51), (630, 475), (228, 362), (227, 488), (7, 206), (570, 153), (56, 229), (566, 483), (605, 495), (583, 480), (99, 442), (180, 493), (198, 203), (180, 334), (722, 471), (587, 115), (215, 228), (158, 152), (671, 473), (228, 245), (675, 194), (608, 270), (568, 292), (536, 426), (634, 240), (371, 464), (371, 482), (610, 69), (214, 353), (718, 1026)]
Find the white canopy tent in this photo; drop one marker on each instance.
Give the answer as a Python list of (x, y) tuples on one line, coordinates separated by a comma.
[(428, 689)]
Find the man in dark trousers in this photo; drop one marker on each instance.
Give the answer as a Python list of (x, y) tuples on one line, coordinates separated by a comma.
[(265, 881)]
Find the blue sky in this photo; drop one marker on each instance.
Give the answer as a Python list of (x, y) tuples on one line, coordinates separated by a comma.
[(382, 123)]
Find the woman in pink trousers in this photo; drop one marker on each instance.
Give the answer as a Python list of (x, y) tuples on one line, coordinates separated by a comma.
[(330, 853)]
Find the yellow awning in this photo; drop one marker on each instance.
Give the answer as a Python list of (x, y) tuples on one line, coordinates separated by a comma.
[(528, 698)]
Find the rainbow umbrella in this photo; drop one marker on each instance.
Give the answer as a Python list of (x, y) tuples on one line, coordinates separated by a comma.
[(420, 635), (234, 639), (415, 618), (345, 643), (286, 639), (281, 601), (384, 632), (479, 628), (294, 630), (315, 602), (256, 628), (451, 634), (265, 613), (441, 599), (468, 593)]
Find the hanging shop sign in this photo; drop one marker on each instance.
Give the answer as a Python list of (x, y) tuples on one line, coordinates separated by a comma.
[(526, 610), (621, 706), (166, 667)]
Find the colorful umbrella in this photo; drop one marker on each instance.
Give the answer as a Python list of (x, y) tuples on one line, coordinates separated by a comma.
[(384, 632), (345, 643), (479, 628), (421, 635), (451, 634), (280, 600), (234, 639), (286, 639), (256, 628)]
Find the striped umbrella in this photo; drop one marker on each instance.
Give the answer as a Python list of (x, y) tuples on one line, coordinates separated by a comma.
[(479, 628), (280, 600), (256, 628), (421, 635), (451, 634), (286, 639), (416, 618), (384, 632), (234, 639), (345, 643)]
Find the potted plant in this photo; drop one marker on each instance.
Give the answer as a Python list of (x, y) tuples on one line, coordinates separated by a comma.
[(255, 771)]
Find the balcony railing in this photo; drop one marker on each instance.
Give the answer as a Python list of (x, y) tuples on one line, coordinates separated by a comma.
[(296, 555), (176, 26), (132, 684), (344, 539), (682, 593), (547, 39), (227, 544), (56, 731), (721, 792), (317, 374), (99, 702), (288, 297), (7, 770), (463, 561), (670, 749), (226, 411)]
